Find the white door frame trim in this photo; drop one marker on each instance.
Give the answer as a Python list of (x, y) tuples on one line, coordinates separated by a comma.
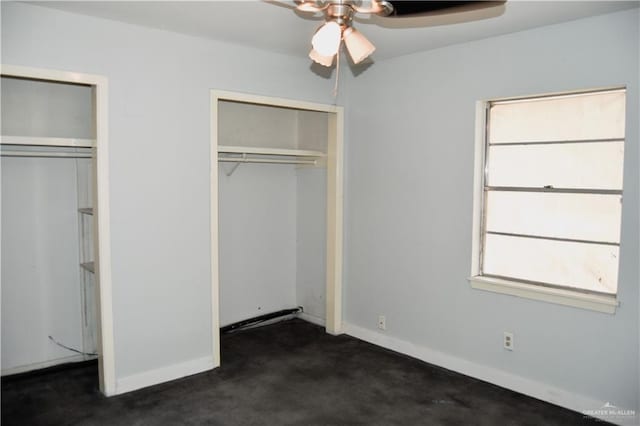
[(334, 206), (106, 357)]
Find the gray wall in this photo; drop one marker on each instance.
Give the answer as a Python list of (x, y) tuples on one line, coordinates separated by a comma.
[(159, 166), (311, 231), (257, 214), (409, 207), (257, 222), (40, 263), (36, 108)]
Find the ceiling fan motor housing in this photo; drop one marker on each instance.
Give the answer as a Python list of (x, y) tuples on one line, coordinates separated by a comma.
[(342, 13)]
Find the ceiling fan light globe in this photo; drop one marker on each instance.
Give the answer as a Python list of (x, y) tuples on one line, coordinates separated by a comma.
[(357, 44), (326, 61), (326, 41)]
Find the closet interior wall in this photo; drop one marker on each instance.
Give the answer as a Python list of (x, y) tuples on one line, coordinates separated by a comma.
[(311, 218), (272, 217), (45, 291)]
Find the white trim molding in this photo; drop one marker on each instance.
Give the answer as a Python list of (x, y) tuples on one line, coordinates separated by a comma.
[(595, 302), (271, 101), (99, 84), (334, 195), (164, 374), (213, 230), (335, 221), (543, 391)]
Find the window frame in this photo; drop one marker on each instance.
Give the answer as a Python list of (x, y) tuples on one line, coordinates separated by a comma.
[(600, 302)]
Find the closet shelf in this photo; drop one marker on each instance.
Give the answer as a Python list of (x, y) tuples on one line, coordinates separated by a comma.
[(47, 141), (269, 151), (86, 210), (89, 266)]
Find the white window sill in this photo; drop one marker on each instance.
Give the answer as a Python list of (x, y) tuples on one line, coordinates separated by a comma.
[(594, 302)]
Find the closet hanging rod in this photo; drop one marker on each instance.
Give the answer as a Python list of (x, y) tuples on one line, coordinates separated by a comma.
[(269, 151), (47, 141), (45, 154), (265, 160)]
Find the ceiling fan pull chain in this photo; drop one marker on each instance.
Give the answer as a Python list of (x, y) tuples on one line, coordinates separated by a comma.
[(335, 87)]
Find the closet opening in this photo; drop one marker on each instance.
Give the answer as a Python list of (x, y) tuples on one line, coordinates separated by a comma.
[(276, 212), (56, 285)]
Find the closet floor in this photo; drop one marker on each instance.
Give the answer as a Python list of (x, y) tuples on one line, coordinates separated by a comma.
[(290, 373)]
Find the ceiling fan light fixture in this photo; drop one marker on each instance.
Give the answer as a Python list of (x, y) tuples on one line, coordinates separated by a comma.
[(326, 41), (309, 6), (373, 7), (357, 44), (326, 61)]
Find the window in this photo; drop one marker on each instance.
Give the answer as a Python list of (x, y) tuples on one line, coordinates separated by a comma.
[(549, 197)]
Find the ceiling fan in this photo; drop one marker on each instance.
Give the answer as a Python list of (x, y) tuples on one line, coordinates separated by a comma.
[(339, 15)]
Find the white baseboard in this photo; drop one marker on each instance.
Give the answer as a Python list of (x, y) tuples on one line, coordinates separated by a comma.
[(535, 389), (312, 319), (44, 364), (164, 374)]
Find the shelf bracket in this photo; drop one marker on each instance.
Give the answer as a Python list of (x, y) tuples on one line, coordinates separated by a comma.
[(236, 164)]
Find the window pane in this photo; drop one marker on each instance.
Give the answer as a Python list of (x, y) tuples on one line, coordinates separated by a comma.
[(563, 118), (585, 266), (579, 165), (592, 217)]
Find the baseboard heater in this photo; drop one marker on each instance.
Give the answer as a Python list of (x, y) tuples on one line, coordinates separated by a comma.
[(259, 319)]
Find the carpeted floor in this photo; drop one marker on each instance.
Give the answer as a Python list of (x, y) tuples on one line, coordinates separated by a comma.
[(290, 373)]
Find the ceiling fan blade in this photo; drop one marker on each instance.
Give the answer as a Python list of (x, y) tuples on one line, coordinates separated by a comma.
[(403, 8)]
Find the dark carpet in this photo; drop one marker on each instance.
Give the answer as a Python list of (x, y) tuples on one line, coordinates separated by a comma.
[(290, 373)]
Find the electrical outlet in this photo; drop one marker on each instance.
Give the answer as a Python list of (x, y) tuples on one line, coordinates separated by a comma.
[(382, 322), (508, 341)]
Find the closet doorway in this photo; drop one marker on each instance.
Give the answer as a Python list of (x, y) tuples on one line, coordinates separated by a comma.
[(276, 210), (56, 255)]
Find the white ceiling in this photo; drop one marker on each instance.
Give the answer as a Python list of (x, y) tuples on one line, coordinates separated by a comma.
[(276, 26)]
